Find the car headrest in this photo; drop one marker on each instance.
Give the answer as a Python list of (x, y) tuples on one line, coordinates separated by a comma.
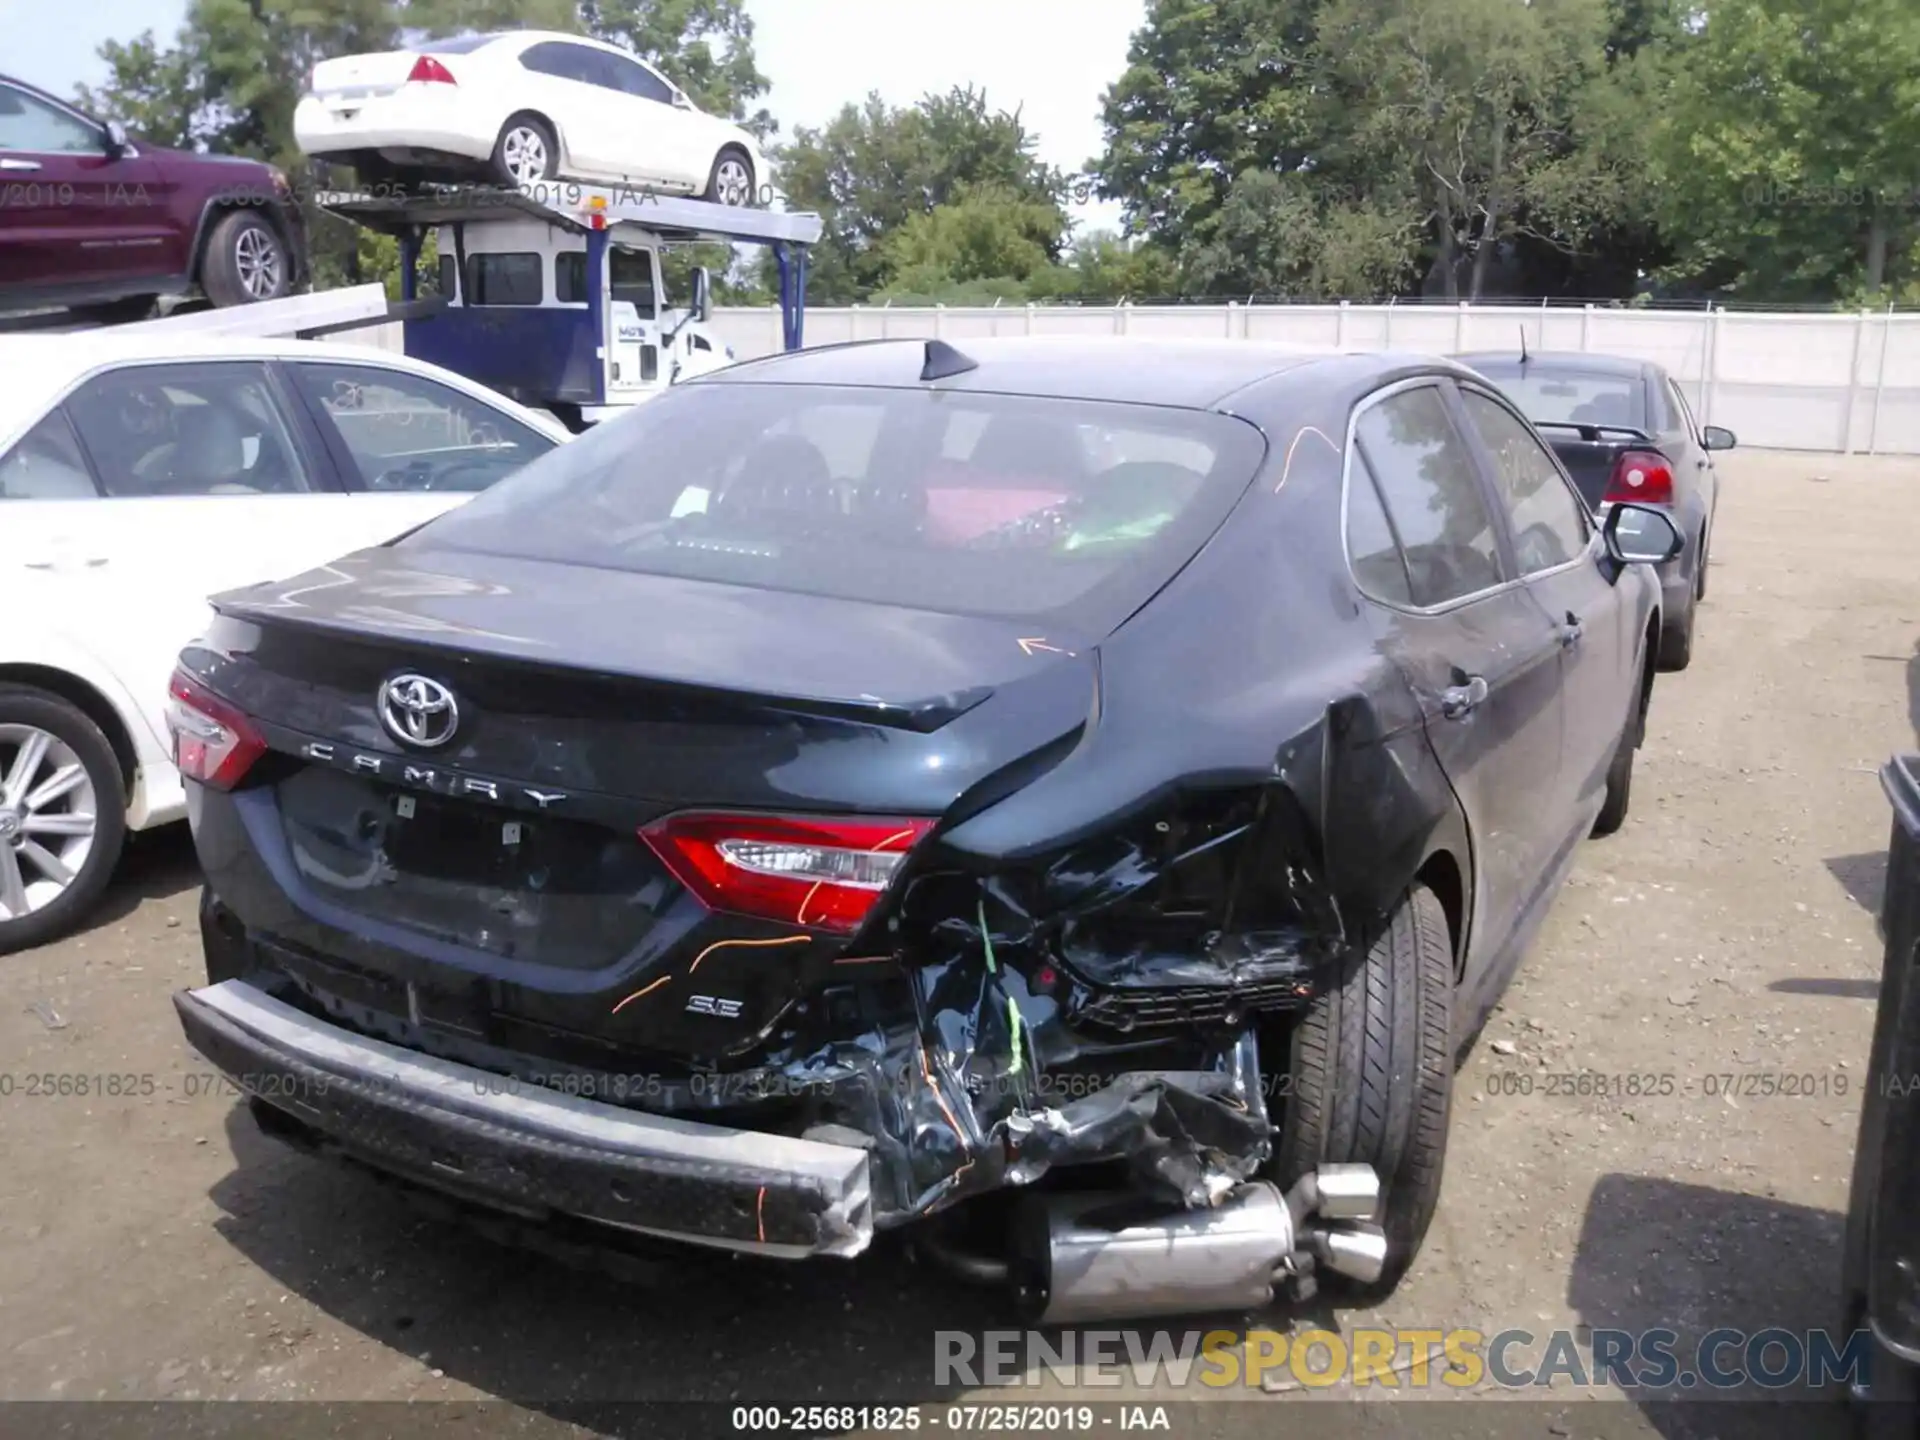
[(210, 444), (1027, 445)]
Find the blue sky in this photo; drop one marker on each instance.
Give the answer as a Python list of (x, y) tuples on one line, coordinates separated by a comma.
[(1048, 58)]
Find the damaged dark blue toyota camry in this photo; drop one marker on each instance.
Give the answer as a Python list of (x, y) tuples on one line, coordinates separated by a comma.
[(1077, 798)]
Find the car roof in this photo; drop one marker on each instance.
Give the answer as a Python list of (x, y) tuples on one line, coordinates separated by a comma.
[(1187, 373), (1562, 360), (36, 369)]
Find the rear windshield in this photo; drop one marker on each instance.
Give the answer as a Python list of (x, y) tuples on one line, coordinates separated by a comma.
[(961, 503), (465, 45), (1584, 397)]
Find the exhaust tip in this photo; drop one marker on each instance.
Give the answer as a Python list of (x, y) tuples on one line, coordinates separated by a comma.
[(1360, 1253), (1347, 1192)]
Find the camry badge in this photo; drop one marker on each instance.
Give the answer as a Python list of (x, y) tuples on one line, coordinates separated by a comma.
[(418, 711)]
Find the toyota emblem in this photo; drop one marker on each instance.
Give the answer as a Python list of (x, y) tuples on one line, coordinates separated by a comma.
[(418, 711)]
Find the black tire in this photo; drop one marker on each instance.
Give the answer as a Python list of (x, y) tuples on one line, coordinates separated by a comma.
[(524, 124), (43, 711), (1372, 1079), (245, 261), (1613, 810), (724, 179), (1676, 642)]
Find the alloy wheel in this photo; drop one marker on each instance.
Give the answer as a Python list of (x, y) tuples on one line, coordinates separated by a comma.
[(524, 152), (732, 183), (257, 258), (48, 818)]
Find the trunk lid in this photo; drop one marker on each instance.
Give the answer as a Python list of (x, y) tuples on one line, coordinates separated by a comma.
[(501, 872), (359, 77), (1590, 452)]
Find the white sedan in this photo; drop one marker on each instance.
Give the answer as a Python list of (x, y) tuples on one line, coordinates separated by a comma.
[(526, 106), (139, 477)]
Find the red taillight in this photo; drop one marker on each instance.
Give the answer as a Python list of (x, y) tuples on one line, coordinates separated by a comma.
[(212, 741), (1641, 477), (431, 70), (823, 872)]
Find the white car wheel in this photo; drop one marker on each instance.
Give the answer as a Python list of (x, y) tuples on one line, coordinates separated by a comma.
[(732, 182), (526, 152), (62, 816)]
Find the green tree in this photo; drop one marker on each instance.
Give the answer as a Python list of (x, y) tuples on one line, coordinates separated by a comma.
[(873, 167), (1789, 150)]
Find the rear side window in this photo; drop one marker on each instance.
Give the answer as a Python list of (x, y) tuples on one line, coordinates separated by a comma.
[(1431, 488), (959, 503), (1371, 548), (46, 464), (506, 279), (1549, 520)]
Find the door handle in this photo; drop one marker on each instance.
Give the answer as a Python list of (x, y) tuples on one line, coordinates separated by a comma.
[(1571, 632), (19, 164), (1459, 701)]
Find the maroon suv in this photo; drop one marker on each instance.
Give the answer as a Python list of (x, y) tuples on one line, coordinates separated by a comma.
[(95, 221)]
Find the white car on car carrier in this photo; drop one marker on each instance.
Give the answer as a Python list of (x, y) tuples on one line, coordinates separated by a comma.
[(523, 107), (139, 477)]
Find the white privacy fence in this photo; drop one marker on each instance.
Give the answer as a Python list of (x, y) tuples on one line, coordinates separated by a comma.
[(1826, 382)]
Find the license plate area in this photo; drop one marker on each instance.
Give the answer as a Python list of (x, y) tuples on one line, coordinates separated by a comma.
[(535, 888)]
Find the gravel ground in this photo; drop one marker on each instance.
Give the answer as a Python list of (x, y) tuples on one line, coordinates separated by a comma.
[(1721, 948)]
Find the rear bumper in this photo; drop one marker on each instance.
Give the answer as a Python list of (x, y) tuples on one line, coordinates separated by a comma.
[(526, 1150)]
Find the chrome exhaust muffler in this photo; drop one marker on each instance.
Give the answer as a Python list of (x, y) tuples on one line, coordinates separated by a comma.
[(1081, 1258)]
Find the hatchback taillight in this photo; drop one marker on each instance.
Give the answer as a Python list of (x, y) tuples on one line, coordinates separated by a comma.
[(213, 742), (1641, 477), (823, 872), (430, 70)]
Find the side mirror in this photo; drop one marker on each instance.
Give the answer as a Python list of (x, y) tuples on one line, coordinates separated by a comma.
[(1718, 437), (1641, 535), (116, 138), (702, 294)]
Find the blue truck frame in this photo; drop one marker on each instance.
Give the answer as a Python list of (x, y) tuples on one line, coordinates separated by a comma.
[(547, 356)]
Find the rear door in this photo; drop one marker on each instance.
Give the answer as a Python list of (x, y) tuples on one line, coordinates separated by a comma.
[(569, 85), (72, 214), (1473, 642), (1556, 547)]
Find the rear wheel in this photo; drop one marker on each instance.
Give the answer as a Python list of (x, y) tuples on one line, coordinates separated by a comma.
[(526, 152), (1613, 811), (1372, 1078), (245, 261), (1676, 642), (732, 180), (63, 816)]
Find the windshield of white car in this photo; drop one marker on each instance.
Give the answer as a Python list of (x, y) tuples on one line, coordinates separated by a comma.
[(962, 503), (1580, 397)]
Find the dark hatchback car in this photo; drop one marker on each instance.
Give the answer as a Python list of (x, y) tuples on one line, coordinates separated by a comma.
[(1624, 432), (95, 221), (867, 779)]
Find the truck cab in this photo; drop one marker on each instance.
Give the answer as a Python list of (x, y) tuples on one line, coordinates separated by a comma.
[(517, 298)]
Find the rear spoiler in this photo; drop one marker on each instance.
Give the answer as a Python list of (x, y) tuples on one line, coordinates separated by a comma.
[(1596, 434)]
